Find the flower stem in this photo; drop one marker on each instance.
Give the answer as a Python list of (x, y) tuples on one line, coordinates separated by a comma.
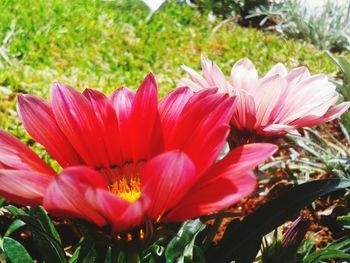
[(212, 232)]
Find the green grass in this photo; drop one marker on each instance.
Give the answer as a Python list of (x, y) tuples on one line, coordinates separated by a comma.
[(108, 44)]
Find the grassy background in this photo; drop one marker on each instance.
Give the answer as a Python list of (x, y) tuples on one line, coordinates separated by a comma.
[(108, 44)]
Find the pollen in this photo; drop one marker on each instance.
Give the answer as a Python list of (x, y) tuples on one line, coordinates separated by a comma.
[(129, 237), (128, 189), (142, 234)]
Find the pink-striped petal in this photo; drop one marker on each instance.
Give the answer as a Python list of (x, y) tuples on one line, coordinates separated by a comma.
[(16, 155), (244, 116), (23, 187), (296, 75), (332, 113), (278, 69), (214, 75), (243, 74), (278, 129), (196, 78), (266, 98), (37, 118), (190, 84)]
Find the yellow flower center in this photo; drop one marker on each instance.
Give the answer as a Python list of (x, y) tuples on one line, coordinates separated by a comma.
[(128, 189)]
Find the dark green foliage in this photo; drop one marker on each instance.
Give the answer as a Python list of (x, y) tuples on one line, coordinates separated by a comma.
[(242, 240), (226, 8), (15, 252), (44, 234), (343, 87)]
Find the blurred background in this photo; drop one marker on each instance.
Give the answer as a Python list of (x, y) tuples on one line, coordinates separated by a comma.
[(108, 44)]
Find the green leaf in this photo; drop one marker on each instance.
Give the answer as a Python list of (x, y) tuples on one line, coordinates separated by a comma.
[(15, 211), (345, 67), (14, 226), (42, 229), (181, 246), (2, 201), (342, 243), (15, 252), (326, 254), (336, 250), (344, 220), (108, 258), (85, 252), (242, 240), (46, 224)]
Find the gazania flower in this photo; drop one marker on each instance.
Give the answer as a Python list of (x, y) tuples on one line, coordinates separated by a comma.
[(274, 105), (126, 158)]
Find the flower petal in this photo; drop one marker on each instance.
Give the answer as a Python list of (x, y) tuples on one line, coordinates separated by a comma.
[(331, 114), (244, 116), (211, 198), (76, 118), (224, 183), (171, 107), (196, 78), (278, 129), (108, 125), (16, 155), (243, 74), (199, 120), (278, 69), (165, 179), (120, 214), (65, 196), (37, 118), (122, 100), (23, 187), (214, 76), (145, 127), (266, 98)]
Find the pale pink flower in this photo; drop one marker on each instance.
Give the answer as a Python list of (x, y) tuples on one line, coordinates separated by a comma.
[(276, 104)]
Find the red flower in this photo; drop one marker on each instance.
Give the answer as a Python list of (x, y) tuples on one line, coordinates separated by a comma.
[(126, 157)]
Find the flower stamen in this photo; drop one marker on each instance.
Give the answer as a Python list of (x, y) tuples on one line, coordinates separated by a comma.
[(128, 189)]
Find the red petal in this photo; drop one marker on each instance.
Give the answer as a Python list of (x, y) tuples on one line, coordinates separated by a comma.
[(213, 197), (37, 118), (16, 155), (120, 214), (121, 100), (224, 183), (199, 121), (76, 118), (165, 179), (145, 127), (66, 195), (23, 187), (108, 124), (171, 107)]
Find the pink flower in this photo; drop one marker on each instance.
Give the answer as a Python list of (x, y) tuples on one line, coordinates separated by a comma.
[(127, 157), (274, 105)]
